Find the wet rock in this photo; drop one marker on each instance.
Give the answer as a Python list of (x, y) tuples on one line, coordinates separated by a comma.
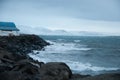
[(10, 75), (15, 64), (25, 66), (110, 76), (55, 71), (22, 44), (5, 67)]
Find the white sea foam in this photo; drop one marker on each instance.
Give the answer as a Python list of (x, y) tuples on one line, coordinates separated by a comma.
[(63, 47), (48, 56), (75, 66), (85, 49), (51, 42), (76, 41)]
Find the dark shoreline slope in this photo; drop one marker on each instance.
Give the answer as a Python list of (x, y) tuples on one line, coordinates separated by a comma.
[(22, 44), (16, 65)]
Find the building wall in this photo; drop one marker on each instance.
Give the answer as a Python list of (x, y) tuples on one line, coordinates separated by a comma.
[(8, 33)]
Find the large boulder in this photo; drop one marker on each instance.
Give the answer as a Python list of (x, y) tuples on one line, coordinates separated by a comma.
[(55, 71)]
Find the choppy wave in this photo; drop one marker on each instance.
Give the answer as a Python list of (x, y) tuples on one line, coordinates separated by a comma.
[(59, 48), (60, 39), (63, 47), (76, 41), (75, 66), (50, 54)]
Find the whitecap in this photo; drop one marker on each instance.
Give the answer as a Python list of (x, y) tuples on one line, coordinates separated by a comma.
[(84, 49), (60, 39), (77, 41), (74, 65), (77, 66), (65, 48), (62, 47), (51, 42)]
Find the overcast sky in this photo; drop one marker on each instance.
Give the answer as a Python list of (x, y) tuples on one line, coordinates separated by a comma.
[(70, 15)]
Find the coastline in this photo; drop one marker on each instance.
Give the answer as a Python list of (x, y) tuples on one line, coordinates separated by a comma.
[(17, 65)]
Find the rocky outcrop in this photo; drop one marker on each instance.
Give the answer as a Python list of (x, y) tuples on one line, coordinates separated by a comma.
[(16, 65), (22, 44), (55, 71), (28, 69)]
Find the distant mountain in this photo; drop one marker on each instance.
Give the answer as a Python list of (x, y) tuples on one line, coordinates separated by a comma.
[(41, 31), (45, 31), (86, 33)]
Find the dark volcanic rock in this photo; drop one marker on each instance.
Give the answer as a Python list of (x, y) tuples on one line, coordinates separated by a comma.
[(22, 44), (110, 76), (16, 65), (21, 69), (55, 71), (14, 62), (10, 75)]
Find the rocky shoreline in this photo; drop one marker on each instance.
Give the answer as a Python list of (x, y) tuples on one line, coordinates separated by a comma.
[(15, 64)]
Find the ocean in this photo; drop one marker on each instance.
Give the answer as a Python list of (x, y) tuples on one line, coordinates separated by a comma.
[(83, 54)]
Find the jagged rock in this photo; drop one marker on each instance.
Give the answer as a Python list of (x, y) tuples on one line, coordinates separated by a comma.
[(22, 44), (15, 64), (11, 75), (27, 67), (55, 71)]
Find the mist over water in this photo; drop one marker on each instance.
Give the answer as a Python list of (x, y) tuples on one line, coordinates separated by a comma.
[(84, 55)]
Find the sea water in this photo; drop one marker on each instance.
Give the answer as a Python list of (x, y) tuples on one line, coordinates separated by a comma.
[(83, 54)]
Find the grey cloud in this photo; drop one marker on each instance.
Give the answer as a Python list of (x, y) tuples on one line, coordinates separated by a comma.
[(106, 10), (78, 15)]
